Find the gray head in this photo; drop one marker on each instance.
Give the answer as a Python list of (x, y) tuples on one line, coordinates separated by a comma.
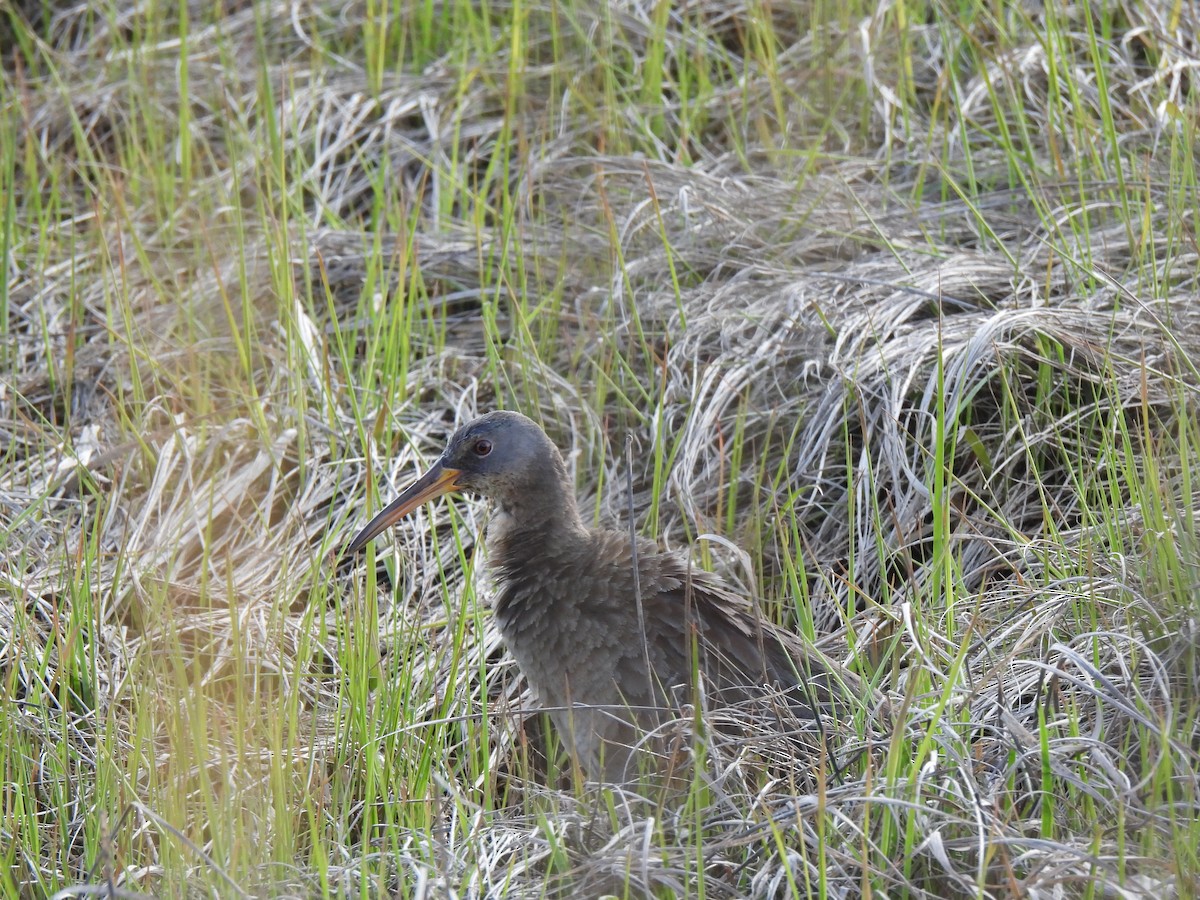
[(503, 456)]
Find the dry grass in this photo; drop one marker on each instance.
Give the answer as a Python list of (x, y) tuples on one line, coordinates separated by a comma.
[(905, 307)]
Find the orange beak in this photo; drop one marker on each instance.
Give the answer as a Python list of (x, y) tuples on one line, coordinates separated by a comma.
[(437, 481)]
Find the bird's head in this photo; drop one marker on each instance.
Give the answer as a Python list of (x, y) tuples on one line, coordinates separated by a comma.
[(503, 456)]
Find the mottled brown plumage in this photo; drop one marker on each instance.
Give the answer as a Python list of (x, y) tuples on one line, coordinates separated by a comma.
[(567, 606)]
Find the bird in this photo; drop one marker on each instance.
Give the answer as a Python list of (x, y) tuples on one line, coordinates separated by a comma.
[(615, 636)]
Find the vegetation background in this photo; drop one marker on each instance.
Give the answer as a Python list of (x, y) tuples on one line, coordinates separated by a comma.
[(899, 298)]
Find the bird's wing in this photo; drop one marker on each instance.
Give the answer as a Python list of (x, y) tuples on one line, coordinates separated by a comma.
[(737, 651)]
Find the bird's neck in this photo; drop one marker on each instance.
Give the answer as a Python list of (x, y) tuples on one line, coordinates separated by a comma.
[(529, 549), (519, 534)]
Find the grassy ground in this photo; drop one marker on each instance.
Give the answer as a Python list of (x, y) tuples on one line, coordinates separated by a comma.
[(898, 298)]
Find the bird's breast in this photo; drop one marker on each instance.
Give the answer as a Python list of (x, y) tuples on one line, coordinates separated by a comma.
[(571, 623)]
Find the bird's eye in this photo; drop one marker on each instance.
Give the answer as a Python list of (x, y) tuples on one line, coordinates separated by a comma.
[(482, 447)]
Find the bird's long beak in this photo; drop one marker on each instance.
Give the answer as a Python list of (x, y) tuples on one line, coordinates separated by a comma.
[(437, 481)]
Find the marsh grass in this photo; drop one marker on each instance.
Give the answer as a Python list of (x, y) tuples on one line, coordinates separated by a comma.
[(899, 300)]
